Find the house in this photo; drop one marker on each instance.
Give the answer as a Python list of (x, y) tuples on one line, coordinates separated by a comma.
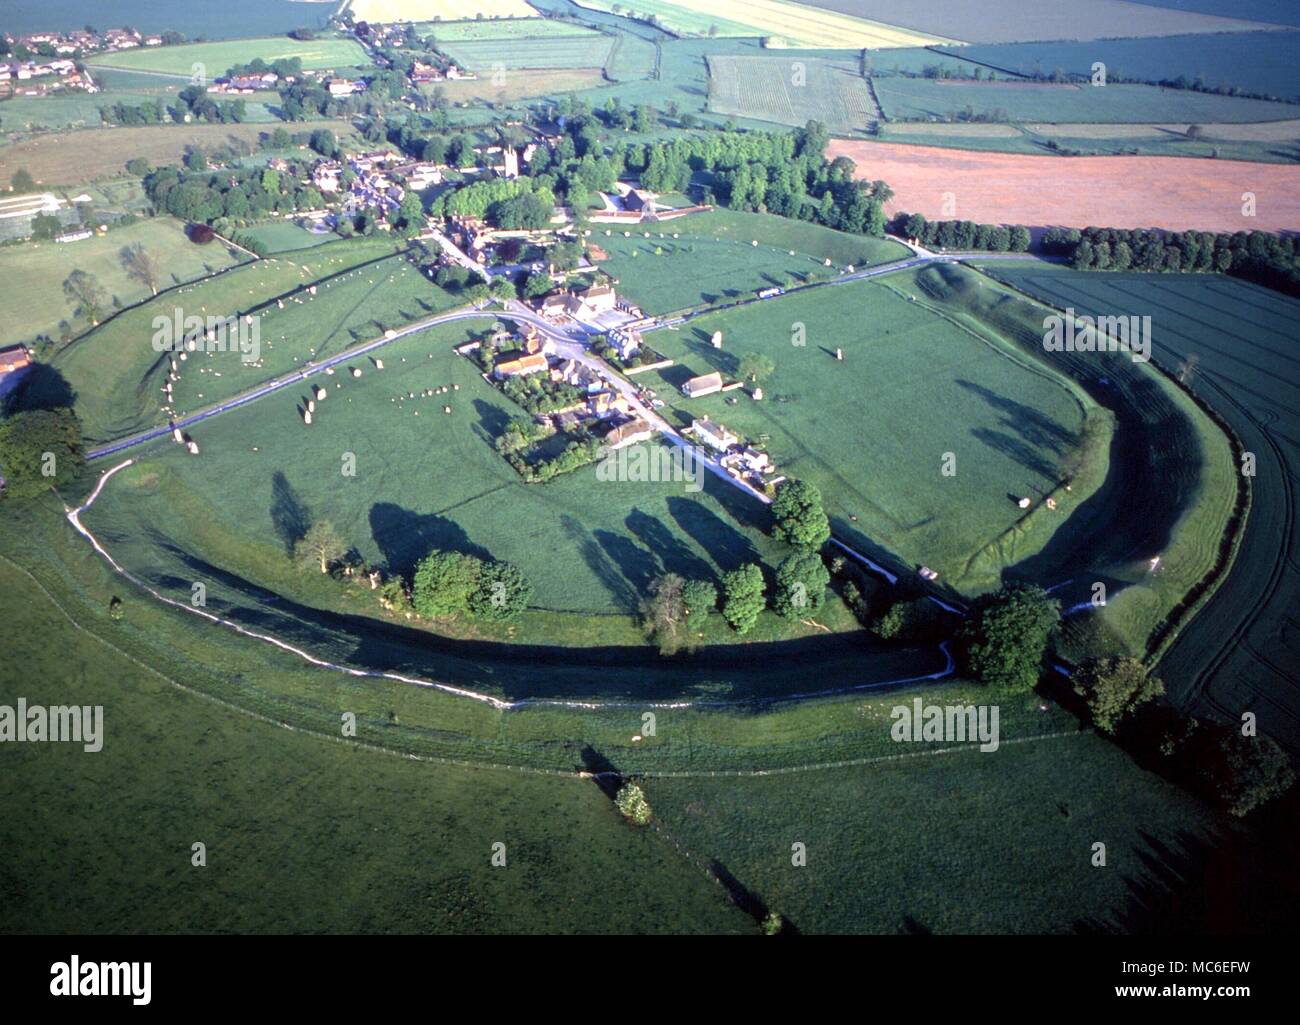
[(520, 365), (625, 341), (705, 384), (602, 403), (598, 299), (343, 86), (639, 199), (629, 433), (713, 434), (14, 358), (555, 305)]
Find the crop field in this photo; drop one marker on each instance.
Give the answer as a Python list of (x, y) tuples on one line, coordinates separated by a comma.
[(430, 479), (102, 153), (1120, 192), (521, 84), (1010, 21), (713, 257), (50, 113), (567, 845), (229, 19), (792, 92), (32, 301), (577, 51), (216, 58), (1257, 62), (913, 98), (788, 24), (385, 11), (117, 375), (1241, 650), (1013, 426), (500, 29)]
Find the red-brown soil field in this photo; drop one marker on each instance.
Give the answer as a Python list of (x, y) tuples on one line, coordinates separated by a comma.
[(1113, 192)]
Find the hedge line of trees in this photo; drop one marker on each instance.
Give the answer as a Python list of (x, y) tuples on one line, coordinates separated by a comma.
[(995, 238), (1266, 259)]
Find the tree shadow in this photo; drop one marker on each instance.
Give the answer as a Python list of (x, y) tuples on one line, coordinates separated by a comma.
[(637, 565), (40, 387), (405, 537), (728, 547), (673, 554), (290, 516)]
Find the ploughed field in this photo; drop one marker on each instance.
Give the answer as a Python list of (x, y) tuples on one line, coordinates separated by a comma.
[(1119, 192)]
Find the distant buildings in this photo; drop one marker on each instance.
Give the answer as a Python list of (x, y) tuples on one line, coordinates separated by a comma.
[(13, 358)]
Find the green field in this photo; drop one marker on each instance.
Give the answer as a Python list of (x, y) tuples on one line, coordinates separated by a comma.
[(1014, 427), (924, 99), (32, 300), (792, 91), (117, 375), (579, 51), (285, 236), (177, 769), (713, 258), (427, 478), (216, 58), (1017, 825), (1240, 651), (960, 843)]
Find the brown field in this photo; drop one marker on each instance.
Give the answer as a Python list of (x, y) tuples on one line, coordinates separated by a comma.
[(1116, 192), (84, 156)]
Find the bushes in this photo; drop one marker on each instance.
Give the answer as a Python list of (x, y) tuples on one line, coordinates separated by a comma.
[(743, 597), (39, 449), (1005, 638), (449, 583), (801, 581)]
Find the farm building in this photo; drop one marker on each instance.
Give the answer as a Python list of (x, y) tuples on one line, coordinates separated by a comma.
[(705, 384), (598, 298), (520, 365), (14, 358), (713, 434)]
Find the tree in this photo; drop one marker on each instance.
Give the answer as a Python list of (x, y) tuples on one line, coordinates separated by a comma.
[(502, 288), (141, 265), (631, 801), (743, 597), (22, 181), (321, 546), (801, 581), (663, 612), (699, 597), (39, 449), (537, 285), (1113, 687), (84, 292), (1005, 638), (798, 517), (444, 583), (502, 592), (754, 366), (1243, 772), (914, 622), (138, 166)]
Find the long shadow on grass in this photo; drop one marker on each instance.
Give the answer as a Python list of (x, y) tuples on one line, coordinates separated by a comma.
[(732, 672), (404, 537), (673, 555), (1217, 883)]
